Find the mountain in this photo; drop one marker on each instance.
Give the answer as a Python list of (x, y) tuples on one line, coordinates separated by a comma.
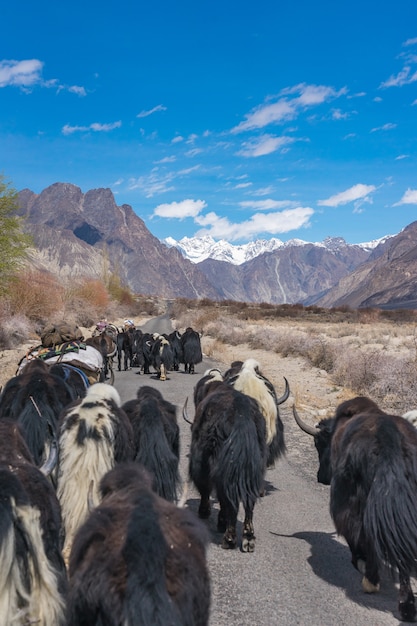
[(198, 249), (388, 279), (290, 274), (77, 234)]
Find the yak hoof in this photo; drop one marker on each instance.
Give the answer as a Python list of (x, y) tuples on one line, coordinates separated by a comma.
[(407, 609), (248, 544), (229, 543), (369, 587)]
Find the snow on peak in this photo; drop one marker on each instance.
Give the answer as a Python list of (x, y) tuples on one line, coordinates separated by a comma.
[(197, 249)]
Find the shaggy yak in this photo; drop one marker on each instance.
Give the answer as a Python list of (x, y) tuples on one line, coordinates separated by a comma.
[(138, 559)]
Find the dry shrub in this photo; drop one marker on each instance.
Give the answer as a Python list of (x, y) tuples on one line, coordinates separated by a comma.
[(356, 369), (36, 295), (14, 331), (94, 292)]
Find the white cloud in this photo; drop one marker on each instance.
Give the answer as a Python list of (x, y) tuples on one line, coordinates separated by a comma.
[(389, 126), (28, 73), (266, 144), (266, 205), (410, 42), (157, 183), (20, 73), (167, 159), (95, 126), (357, 192), (404, 77), (159, 107), (177, 139), (287, 107), (410, 197), (337, 114), (242, 185), (180, 210), (79, 91), (271, 223)]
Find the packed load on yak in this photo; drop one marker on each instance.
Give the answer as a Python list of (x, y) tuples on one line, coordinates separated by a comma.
[(64, 343), (60, 333)]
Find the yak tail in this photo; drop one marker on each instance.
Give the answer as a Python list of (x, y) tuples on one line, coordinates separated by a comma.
[(145, 554), (155, 453), (29, 585), (240, 466), (390, 517)]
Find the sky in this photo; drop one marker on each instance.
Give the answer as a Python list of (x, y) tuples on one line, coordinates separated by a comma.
[(238, 120)]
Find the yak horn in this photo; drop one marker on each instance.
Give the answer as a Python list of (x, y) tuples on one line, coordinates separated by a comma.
[(286, 393), (310, 430), (50, 463), (184, 412)]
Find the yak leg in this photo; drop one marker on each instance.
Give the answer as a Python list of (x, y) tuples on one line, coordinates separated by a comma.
[(228, 518), (406, 605), (248, 535), (163, 375), (204, 507), (370, 581)]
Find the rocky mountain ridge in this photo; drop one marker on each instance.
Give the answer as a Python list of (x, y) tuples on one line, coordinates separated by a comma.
[(78, 234)]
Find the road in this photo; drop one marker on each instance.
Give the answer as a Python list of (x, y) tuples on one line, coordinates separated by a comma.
[(300, 572)]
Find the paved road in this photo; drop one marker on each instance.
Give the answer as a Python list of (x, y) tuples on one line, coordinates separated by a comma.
[(300, 572)]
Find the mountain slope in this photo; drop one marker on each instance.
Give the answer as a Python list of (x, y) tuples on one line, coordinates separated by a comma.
[(76, 234), (388, 279)]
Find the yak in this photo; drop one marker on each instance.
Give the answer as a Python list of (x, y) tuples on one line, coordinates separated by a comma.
[(156, 438), (369, 458), (138, 559), (124, 343), (174, 339), (35, 399), (247, 377), (33, 580), (94, 435), (191, 349), (228, 455), (162, 357)]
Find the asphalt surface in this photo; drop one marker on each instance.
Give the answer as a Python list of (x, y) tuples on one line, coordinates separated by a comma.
[(300, 572)]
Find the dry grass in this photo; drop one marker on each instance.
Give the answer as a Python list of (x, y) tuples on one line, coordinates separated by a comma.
[(365, 352)]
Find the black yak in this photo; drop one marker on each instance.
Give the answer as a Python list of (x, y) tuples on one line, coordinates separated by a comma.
[(156, 438), (369, 458), (138, 559), (228, 455), (35, 399)]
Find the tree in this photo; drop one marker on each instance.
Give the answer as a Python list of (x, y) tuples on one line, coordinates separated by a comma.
[(13, 241)]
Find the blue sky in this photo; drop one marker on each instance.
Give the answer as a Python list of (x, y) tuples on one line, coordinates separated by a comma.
[(240, 120)]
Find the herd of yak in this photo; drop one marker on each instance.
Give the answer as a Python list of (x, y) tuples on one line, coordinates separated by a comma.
[(93, 524)]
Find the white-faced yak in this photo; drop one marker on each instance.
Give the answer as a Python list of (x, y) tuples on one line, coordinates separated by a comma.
[(247, 377), (95, 434)]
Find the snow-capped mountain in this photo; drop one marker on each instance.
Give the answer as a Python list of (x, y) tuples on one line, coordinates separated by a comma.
[(198, 249)]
